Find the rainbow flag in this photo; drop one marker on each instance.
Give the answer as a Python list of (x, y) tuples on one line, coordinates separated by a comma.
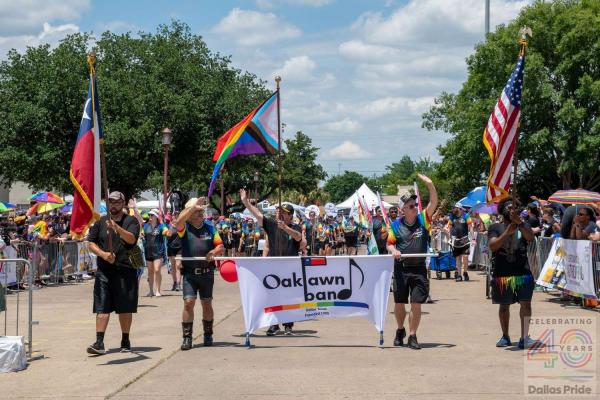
[(255, 134), (368, 219), (386, 219)]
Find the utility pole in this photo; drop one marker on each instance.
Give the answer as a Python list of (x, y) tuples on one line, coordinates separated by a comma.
[(339, 169), (487, 17)]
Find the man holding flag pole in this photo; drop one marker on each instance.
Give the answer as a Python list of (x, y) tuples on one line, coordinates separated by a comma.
[(512, 280), (116, 284)]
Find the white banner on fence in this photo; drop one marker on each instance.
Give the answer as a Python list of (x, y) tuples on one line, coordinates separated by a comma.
[(8, 270), (281, 289), (569, 268)]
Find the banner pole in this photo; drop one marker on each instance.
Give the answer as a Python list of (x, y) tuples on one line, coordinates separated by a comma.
[(381, 338), (247, 344), (279, 167), (92, 63)]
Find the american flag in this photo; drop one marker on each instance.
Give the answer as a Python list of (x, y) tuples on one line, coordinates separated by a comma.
[(500, 135)]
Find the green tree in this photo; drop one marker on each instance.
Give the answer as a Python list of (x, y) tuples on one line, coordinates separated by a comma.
[(168, 78), (340, 187), (559, 142)]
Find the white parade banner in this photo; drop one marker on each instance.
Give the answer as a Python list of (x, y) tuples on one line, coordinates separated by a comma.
[(277, 290), (569, 268)]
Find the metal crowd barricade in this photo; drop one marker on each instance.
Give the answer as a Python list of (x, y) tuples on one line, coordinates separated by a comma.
[(57, 261), (596, 266), (481, 256), (538, 252), (440, 241), (28, 267)]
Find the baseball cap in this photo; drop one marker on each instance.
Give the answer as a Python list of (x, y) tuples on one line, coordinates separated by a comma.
[(192, 202), (116, 196), (458, 205), (406, 197), (288, 208), (154, 212)]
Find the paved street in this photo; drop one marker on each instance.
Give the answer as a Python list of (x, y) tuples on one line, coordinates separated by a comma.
[(326, 359)]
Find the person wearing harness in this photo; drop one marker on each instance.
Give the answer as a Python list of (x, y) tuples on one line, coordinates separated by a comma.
[(460, 241), (198, 239)]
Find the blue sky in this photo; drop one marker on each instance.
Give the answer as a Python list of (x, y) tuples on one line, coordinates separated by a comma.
[(357, 74)]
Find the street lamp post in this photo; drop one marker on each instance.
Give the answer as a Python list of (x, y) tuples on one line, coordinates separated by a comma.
[(167, 137)]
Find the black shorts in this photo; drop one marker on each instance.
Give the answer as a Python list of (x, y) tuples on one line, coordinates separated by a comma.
[(116, 290), (460, 251), (201, 284), (173, 252), (351, 241), (506, 292), (410, 281)]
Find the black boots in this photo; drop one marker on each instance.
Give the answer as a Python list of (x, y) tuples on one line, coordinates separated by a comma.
[(187, 328), (208, 332)]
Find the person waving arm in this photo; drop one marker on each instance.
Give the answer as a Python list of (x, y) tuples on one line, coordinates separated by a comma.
[(252, 208)]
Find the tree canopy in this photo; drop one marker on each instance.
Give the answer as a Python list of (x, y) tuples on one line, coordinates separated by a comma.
[(340, 187), (145, 82), (559, 142)]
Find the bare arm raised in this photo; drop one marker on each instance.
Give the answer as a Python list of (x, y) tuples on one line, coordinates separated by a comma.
[(433, 198), (253, 209)]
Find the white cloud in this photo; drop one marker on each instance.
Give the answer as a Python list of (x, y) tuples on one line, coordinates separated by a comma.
[(420, 48), (349, 150), (395, 105), (49, 34), (343, 126), (311, 3), (458, 22), (264, 4), (26, 18), (269, 4), (252, 28), (297, 69)]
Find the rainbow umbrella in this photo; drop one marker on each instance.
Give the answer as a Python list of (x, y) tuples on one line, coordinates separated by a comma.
[(4, 207), (47, 197), (67, 208), (576, 196), (41, 208)]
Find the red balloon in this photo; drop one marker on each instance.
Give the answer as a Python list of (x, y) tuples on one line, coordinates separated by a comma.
[(228, 271)]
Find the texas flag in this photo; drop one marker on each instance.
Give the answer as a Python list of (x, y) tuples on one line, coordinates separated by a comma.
[(85, 166)]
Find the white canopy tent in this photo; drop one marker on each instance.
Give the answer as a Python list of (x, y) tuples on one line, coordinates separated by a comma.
[(367, 194), (147, 205)]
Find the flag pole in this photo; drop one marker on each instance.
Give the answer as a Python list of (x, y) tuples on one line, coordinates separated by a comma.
[(279, 246), (523, 32), (91, 59), (277, 82)]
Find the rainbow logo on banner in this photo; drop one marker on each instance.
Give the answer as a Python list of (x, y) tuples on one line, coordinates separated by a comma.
[(286, 307)]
